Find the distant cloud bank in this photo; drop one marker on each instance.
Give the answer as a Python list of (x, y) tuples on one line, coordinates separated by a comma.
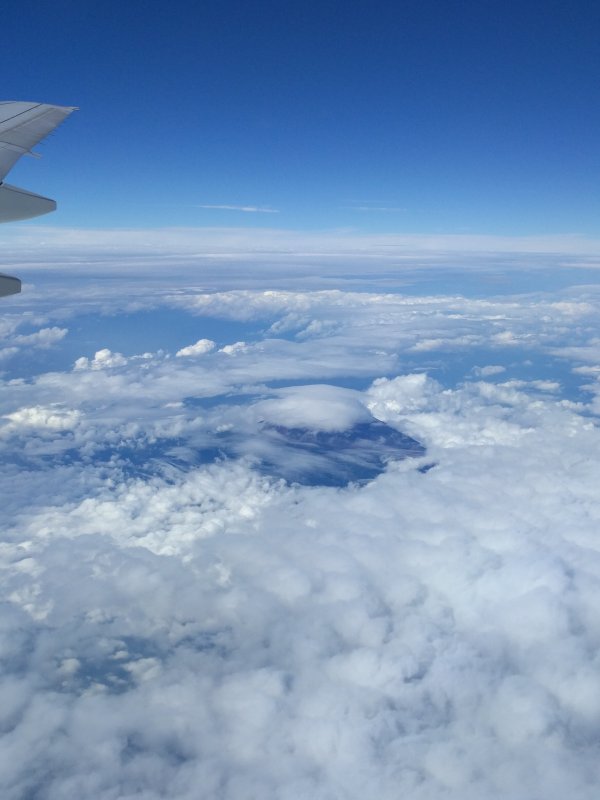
[(280, 252)]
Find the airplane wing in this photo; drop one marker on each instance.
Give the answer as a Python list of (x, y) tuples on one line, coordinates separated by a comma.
[(9, 285), (22, 126)]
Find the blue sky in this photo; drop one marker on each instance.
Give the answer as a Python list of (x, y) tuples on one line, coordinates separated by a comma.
[(407, 117)]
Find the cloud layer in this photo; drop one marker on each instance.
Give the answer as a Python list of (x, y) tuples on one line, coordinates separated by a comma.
[(176, 628)]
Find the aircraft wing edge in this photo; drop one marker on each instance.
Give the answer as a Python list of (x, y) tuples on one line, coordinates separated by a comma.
[(9, 285), (16, 204)]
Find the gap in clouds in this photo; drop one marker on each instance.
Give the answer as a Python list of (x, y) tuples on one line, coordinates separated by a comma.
[(302, 456)]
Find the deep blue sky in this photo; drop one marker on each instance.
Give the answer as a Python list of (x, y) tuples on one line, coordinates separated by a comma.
[(478, 117)]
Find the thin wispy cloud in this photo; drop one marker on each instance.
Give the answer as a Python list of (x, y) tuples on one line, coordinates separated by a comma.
[(246, 209), (375, 208), (372, 205)]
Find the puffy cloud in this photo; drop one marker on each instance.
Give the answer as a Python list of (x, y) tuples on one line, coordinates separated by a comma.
[(233, 349), (103, 359), (45, 337), (201, 347), (319, 407), (488, 371), (53, 417)]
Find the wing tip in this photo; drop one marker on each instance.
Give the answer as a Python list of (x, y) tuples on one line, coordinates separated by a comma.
[(9, 285)]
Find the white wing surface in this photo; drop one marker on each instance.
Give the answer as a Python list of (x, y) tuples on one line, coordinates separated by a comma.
[(22, 126), (18, 204)]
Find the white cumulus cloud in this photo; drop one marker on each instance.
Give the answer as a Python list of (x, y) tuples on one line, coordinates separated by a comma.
[(53, 417), (201, 347), (103, 359), (45, 337)]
